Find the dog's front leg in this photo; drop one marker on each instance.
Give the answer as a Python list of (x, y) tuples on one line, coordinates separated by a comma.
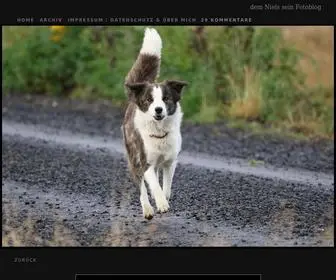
[(158, 174), (168, 174), (147, 208), (153, 183)]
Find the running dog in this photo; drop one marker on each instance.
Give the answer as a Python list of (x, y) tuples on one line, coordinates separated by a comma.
[(151, 125)]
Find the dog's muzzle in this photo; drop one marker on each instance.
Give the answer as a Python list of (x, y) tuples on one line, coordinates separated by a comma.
[(158, 117)]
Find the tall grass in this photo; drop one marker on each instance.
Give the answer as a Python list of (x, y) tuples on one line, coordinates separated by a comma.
[(251, 74)]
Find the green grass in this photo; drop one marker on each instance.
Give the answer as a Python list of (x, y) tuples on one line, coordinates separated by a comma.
[(254, 162), (241, 74)]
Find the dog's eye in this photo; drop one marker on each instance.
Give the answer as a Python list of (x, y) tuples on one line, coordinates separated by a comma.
[(149, 99), (165, 98)]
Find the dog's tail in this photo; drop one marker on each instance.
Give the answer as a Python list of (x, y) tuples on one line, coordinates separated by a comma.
[(147, 66)]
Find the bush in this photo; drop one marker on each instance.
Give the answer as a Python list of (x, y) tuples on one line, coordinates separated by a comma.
[(44, 62)]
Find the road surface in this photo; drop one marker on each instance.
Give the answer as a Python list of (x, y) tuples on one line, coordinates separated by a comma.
[(65, 183)]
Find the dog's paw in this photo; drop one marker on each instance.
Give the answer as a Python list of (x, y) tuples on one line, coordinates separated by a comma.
[(147, 211), (162, 204)]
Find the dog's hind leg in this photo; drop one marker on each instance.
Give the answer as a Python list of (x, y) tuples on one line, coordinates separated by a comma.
[(147, 208), (168, 174), (154, 185)]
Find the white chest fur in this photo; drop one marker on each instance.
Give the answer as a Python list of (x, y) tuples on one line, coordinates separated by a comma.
[(160, 150)]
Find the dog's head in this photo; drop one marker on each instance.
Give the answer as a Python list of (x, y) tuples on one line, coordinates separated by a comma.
[(157, 100)]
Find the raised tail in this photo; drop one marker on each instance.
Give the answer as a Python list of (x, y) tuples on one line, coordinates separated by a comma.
[(147, 66)]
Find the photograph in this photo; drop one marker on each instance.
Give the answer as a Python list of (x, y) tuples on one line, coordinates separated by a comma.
[(167, 135)]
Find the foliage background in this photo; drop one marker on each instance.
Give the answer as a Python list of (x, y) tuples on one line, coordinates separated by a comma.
[(279, 78)]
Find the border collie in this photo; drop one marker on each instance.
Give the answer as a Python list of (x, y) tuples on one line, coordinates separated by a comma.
[(151, 126)]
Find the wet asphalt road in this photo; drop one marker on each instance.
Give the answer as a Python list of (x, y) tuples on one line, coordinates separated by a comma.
[(64, 172)]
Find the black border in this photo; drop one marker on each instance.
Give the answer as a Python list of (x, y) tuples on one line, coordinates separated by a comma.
[(271, 263), (233, 11)]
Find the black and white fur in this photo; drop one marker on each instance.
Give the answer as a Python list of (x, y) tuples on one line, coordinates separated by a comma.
[(151, 127)]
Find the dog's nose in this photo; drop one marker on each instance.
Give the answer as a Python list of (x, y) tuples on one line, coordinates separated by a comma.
[(158, 110)]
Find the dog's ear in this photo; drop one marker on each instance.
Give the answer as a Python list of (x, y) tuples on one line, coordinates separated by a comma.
[(177, 87), (135, 89)]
